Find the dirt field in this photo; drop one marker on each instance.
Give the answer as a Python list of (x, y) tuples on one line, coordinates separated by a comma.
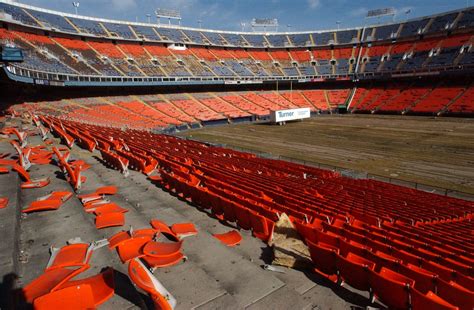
[(432, 151)]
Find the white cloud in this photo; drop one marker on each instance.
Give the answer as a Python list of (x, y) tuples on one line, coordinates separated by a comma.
[(313, 4), (359, 12), (122, 5)]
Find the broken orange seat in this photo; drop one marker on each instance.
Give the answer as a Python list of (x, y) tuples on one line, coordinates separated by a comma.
[(109, 220), (123, 236), (7, 162), (49, 281), (161, 226), (92, 205), (29, 183), (109, 208), (70, 255), (102, 284), (74, 297), (231, 238), (59, 195), (3, 202), (4, 170), (163, 261), (43, 205), (145, 280), (118, 239), (183, 230), (162, 249), (132, 248), (104, 190)]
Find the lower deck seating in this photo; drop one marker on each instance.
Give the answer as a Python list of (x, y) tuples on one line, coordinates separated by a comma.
[(414, 99), (407, 247)]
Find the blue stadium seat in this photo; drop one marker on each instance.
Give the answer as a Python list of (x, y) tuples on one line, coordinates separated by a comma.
[(255, 40), (89, 26), (277, 40), (323, 38), (17, 14), (347, 36), (194, 36), (413, 28), (122, 30), (145, 32), (442, 23), (53, 20), (302, 39)]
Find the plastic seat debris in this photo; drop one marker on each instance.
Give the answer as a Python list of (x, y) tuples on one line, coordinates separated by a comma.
[(164, 261), (120, 237), (109, 220), (4, 170), (230, 238), (43, 205), (108, 208), (164, 229), (49, 281), (162, 249), (146, 281), (3, 202), (28, 182), (73, 297), (49, 202), (132, 248), (58, 195), (183, 230), (102, 284), (70, 255), (104, 190)]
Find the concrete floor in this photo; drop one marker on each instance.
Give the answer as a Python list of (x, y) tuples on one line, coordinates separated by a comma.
[(213, 277)]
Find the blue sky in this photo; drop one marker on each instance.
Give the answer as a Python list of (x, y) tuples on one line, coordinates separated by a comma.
[(228, 14)]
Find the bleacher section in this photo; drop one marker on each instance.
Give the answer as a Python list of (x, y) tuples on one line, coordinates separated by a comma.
[(409, 248), (412, 99)]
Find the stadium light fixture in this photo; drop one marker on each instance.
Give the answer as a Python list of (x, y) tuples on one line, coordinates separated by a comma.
[(75, 4), (200, 23), (264, 23), (148, 18), (378, 13), (338, 23), (169, 14)]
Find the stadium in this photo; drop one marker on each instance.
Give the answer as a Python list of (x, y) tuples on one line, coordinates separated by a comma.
[(158, 166)]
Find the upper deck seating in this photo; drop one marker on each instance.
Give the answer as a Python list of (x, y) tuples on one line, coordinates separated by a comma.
[(346, 36), (119, 30), (18, 14), (53, 21), (302, 39), (88, 26)]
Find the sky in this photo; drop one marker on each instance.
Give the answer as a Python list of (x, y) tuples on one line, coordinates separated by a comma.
[(292, 15)]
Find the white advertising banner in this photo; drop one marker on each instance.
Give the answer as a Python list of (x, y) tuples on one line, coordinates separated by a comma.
[(290, 115)]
